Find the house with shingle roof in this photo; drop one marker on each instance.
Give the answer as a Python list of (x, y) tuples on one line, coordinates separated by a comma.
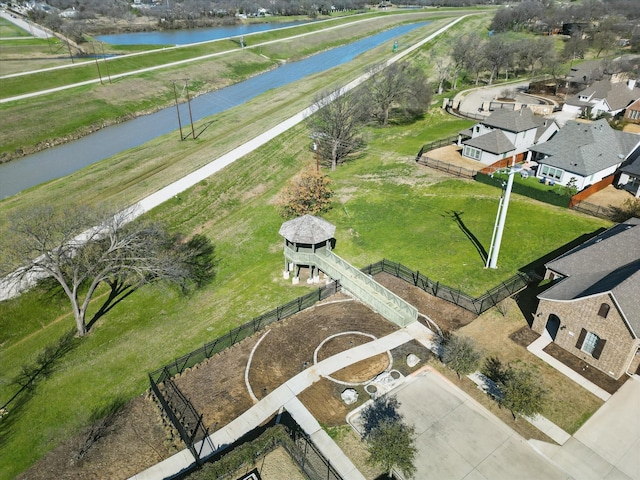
[(603, 96), (592, 309), (505, 133), (632, 112), (586, 152), (629, 174)]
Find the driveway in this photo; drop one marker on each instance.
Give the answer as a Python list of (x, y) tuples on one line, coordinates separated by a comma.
[(607, 445), (459, 439)]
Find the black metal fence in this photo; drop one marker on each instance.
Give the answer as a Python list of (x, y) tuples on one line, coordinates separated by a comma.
[(607, 213), (178, 409), (238, 334), (305, 454), (450, 168), (427, 147), (181, 413), (476, 305)]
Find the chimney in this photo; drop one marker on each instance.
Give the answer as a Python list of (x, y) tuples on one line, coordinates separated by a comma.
[(631, 84)]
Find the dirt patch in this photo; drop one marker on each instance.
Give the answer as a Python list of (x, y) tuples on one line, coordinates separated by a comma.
[(134, 441), (524, 337), (609, 196), (447, 316), (592, 374), (289, 348), (453, 154), (364, 370), (323, 400)]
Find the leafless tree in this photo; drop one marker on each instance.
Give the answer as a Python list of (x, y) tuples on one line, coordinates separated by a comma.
[(399, 86), (336, 125), (82, 247)]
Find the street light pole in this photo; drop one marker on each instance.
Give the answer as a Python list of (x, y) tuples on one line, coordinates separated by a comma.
[(498, 230)]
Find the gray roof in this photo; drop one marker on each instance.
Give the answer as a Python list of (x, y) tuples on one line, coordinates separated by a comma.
[(495, 142), (512, 120), (586, 148), (307, 230), (608, 263), (632, 165), (618, 94)]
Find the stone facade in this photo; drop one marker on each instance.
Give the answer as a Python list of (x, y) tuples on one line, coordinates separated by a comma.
[(619, 347)]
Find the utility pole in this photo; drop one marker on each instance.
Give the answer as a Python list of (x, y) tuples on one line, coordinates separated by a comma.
[(69, 47), (186, 83), (501, 217), (97, 64), (175, 96), (104, 59)]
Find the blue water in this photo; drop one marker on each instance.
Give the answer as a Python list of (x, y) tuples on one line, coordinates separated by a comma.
[(56, 162), (185, 37)]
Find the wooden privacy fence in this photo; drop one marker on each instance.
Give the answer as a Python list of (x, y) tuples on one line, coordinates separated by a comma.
[(475, 305)]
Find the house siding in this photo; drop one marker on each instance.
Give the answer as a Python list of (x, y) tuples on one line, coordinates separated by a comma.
[(620, 346)]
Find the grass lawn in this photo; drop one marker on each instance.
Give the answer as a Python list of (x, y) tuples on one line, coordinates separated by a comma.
[(386, 206)]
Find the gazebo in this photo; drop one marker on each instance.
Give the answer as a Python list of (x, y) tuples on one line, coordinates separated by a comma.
[(305, 235)]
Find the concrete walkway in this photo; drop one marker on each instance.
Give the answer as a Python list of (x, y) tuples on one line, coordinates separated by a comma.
[(285, 396), (537, 349)]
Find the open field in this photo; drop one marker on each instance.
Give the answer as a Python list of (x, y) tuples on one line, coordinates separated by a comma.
[(386, 207)]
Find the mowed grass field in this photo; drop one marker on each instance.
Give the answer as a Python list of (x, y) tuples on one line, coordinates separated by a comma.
[(386, 206)]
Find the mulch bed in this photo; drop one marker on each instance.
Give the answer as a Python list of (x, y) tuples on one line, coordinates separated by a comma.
[(592, 374), (525, 336)]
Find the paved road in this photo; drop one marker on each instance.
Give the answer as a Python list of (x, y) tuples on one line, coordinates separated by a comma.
[(34, 29)]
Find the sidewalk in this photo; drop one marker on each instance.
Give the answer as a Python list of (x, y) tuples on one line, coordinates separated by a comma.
[(537, 349)]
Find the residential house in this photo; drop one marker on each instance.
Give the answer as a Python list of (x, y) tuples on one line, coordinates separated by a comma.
[(586, 152), (505, 133), (629, 173), (632, 113), (601, 97), (592, 309)]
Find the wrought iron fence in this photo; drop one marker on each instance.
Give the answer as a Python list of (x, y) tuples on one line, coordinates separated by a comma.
[(476, 305), (607, 213), (450, 168)]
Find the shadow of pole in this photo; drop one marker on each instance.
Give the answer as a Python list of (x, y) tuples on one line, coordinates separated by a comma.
[(457, 217)]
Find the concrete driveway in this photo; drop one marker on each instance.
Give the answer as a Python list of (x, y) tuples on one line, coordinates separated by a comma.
[(607, 446), (459, 439)]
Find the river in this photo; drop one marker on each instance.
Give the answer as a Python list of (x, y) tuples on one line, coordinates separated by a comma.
[(195, 35), (63, 160)]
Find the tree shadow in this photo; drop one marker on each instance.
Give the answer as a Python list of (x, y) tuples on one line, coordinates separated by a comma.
[(383, 409), (30, 377), (457, 217), (120, 290)]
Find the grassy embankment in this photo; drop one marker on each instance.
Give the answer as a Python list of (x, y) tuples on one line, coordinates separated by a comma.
[(386, 207), (84, 109)]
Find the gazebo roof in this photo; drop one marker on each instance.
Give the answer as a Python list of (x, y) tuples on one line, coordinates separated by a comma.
[(308, 230)]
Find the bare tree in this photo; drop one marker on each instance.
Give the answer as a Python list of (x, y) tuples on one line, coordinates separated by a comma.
[(82, 247), (336, 125), (498, 53), (399, 86)]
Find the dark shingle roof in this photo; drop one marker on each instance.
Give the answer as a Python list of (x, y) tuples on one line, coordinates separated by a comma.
[(618, 95), (308, 230), (495, 142), (512, 120), (586, 148), (608, 263)]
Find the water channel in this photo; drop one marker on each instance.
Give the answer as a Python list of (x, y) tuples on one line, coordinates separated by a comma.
[(57, 162), (195, 35)]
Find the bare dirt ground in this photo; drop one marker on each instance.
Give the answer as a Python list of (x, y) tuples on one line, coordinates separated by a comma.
[(453, 154), (609, 196)]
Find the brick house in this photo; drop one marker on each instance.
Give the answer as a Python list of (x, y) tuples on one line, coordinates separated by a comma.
[(592, 309), (632, 113)]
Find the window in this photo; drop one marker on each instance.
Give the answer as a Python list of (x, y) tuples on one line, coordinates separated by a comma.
[(552, 172), (471, 152), (590, 343), (604, 310)]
